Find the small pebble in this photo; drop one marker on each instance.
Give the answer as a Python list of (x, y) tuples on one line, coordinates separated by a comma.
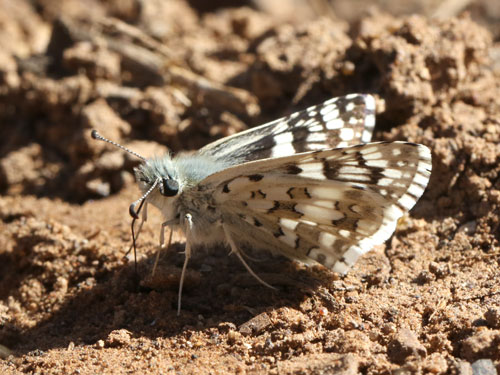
[(483, 367)]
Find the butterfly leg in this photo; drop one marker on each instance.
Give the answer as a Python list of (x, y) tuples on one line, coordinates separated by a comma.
[(253, 259), (162, 242), (235, 250), (242, 253), (188, 221)]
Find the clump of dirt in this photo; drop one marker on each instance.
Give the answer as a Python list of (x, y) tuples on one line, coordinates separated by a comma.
[(157, 77)]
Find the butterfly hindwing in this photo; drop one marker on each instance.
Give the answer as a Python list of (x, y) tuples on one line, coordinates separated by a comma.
[(327, 206), (338, 122)]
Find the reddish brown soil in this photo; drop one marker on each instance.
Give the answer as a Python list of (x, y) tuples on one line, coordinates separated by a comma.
[(151, 74)]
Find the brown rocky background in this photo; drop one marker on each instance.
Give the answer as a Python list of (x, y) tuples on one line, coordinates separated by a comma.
[(153, 74)]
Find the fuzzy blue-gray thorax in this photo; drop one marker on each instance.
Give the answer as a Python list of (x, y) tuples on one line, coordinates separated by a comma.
[(186, 170)]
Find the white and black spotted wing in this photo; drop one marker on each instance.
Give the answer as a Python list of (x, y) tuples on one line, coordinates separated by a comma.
[(338, 122), (326, 206)]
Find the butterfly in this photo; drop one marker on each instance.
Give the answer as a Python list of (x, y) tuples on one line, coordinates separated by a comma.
[(309, 186)]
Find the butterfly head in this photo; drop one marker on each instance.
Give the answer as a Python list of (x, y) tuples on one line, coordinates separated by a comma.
[(159, 184), (157, 179)]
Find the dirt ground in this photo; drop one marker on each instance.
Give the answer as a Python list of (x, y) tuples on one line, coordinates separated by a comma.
[(179, 74)]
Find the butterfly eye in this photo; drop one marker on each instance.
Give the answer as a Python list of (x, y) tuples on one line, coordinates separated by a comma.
[(169, 187), (144, 179)]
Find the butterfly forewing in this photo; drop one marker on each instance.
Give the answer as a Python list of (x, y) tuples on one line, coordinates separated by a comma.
[(338, 122), (327, 206)]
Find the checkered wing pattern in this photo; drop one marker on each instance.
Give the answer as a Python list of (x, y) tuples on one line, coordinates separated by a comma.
[(326, 206), (338, 122)]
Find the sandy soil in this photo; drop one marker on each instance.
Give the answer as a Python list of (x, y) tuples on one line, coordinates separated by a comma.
[(151, 74)]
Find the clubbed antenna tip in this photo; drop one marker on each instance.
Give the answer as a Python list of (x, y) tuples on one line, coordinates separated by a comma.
[(141, 200), (95, 135), (132, 211)]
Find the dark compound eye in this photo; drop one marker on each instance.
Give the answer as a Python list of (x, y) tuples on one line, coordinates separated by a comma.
[(170, 187), (144, 179)]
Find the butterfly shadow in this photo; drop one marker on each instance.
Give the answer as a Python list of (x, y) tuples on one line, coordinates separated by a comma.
[(218, 292)]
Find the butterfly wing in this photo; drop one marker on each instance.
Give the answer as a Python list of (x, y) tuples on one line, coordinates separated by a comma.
[(338, 122), (327, 206)]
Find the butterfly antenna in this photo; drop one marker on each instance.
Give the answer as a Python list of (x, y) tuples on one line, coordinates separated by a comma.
[(135, 216), (131, 209), (94, 134), (132, 226)]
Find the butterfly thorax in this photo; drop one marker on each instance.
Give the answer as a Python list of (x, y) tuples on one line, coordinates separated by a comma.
[(187, 170)]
